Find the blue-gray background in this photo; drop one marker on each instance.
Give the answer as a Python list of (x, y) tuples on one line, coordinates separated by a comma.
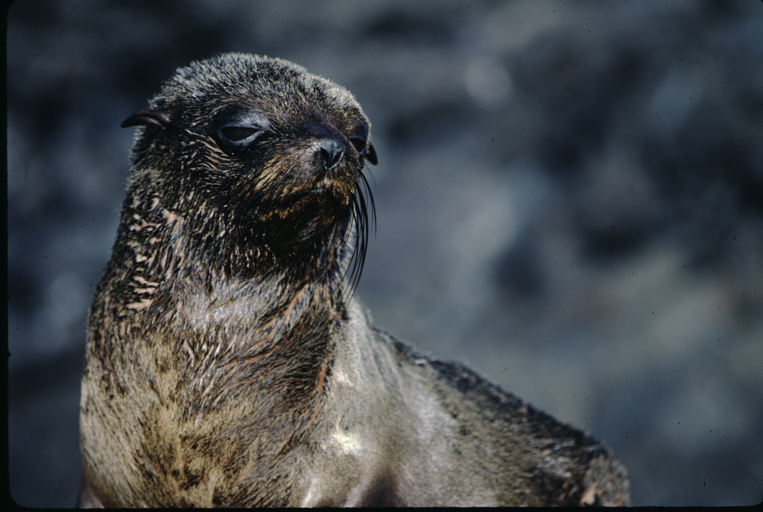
[(569, 199)]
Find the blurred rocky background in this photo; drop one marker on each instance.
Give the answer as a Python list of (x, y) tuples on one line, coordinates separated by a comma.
[(569, 199)]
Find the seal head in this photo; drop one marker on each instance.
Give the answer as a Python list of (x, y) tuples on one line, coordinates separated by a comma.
[(277, 153)]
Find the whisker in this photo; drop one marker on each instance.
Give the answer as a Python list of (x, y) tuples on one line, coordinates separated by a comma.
[(362, 199)]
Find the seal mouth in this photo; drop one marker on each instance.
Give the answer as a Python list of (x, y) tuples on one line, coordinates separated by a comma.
[(326, 182), (324, 185), (333, 186), (338, 204)]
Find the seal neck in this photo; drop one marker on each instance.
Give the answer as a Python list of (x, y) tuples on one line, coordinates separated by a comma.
[(242, 319)]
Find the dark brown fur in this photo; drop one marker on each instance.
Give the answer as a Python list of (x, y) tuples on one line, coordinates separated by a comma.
[(228, 365)]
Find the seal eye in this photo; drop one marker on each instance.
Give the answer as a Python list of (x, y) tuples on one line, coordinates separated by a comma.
[(359, 143), (359, 140), (239, 135)]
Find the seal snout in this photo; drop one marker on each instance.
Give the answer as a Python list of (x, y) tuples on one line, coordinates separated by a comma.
[(331, 149)]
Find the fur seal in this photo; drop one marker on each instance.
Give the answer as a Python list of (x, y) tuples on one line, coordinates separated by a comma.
[(228, 363)]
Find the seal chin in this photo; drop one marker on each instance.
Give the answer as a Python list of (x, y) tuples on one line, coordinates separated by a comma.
[(332, 189), (325, 184)]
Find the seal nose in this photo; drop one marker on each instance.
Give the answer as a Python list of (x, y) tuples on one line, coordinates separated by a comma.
[(331, 150)]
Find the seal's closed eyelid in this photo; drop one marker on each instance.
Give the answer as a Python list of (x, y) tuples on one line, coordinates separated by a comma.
[(359, 143), (237, 133), (238, 136), (247, 119), (241, 130)]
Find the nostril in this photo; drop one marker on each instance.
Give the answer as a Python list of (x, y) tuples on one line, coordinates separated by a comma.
[(331, 151)]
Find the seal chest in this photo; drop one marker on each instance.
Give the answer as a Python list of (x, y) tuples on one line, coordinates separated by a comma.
[(228, 363)]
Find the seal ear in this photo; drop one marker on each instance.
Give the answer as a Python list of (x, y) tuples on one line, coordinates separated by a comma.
[(145, 117), (371, 154)]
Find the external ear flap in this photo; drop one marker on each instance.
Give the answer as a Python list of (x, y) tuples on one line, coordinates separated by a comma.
[(371, 154), (146, 117)]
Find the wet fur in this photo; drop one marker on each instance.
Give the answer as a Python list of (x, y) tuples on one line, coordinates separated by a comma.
[(228, 363)]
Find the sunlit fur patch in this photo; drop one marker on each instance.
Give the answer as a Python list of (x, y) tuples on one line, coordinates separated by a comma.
[(349, 444)]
